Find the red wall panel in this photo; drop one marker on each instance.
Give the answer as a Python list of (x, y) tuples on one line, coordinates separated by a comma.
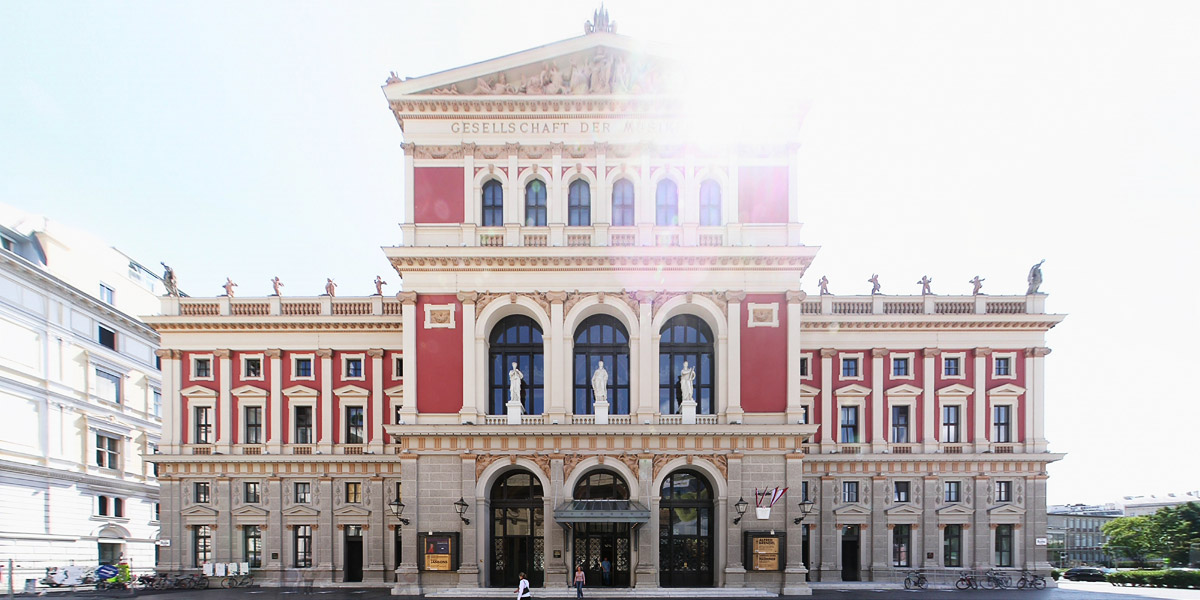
[(439, 360), (438, 194), (764, 358), (763, 194)]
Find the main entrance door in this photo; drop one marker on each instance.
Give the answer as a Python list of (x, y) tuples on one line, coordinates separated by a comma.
[(685, 531), (598, 542), (518, 541), (850, 553), (353, 543)]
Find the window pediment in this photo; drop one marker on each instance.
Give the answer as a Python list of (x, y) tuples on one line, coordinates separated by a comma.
[(852, 511), (905, 509), (808, 391), (1007, 389), (957, 389), (351, 390), (904, 390), (352, 511), (853, 390), (395, 392), (1006, 510), (197, 391), (955, 509), (249, 391), (300, 511), (249, 511), (300, 391)]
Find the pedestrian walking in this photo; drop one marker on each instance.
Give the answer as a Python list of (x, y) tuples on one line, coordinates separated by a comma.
[(580, 578), (606, 571), (522, 590)]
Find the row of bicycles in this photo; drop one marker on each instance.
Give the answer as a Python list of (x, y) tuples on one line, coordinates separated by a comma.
[(989, 580), (192, 581)]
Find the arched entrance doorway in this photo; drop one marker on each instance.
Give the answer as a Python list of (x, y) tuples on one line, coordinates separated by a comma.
[(517, 536), (686, 537), (597, 543)]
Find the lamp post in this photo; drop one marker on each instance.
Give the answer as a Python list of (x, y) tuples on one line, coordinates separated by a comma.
[(806, 507), (397, 508), (740, 507), (460, 507)]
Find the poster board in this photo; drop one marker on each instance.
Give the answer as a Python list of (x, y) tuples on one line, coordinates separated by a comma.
[(439, 551), (764, 551)]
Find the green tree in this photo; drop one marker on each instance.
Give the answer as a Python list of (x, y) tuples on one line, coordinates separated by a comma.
[(1135, 538), (1176, 529)]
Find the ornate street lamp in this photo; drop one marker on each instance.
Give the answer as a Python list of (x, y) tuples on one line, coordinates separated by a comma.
[(805, 508), (461, 508), (397, 508), (740, 507)]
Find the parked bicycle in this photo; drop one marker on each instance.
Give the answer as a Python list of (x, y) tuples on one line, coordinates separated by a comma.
[(194, 582), (915, 580), (967, 580), (1031, 580), (237, 581)]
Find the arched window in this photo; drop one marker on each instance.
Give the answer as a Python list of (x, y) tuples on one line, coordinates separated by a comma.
[(710, 203), (535, 203), (601, 338), (579, 204), (622, 203), (517, 525), (685, 530), (686, 338), (602, 484), (516, 339), (666, 203), (493, 204)]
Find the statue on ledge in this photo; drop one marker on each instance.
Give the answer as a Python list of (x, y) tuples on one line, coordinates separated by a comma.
[(978, 283), (925, 281), (514, 384), (330, 288), (874, 281), (229, 285), (275, 285), (824, 285), (600, 383), (687, 381), (1035, 278), (169, 280), (379, 283)]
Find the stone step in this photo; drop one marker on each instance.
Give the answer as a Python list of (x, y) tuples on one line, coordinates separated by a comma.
[(566, 592)]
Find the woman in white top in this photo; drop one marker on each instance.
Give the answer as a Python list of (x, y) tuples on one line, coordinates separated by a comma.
[(523, 588)]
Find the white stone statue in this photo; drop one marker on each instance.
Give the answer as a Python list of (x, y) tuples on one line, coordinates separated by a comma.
[(600, 383), (1035, 278), (687, 379), (514, 384)]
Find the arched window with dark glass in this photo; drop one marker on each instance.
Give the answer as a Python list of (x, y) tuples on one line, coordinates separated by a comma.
[(493, 204), (622, 203), (685, 530), (710, 203), (518, 530), (535, 203), (686, 339), (596, 542), (666, 203), (602, 484), (516, 339), (579, 204), (601, 338)]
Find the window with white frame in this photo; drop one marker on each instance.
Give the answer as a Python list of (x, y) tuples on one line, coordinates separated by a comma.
[(202, 367), (202, 425), (1002, 423), (953, 491), (900, 491), (352, 367), (1003, 491), (849, 491), (303, 492), (106, 337), (252, 367), (805, 367), (200, 492), (250, 492), (951, 423), (850, 368), (102, 506), (1004, 365), (108, 385), (849, 425), (108, 451), (354, 425), (953, 366), (398, 368), (901, 366), (900, 425), (253, 428), (354, 492), (156, 406), (302, 367), (303, 419), (107, 295)]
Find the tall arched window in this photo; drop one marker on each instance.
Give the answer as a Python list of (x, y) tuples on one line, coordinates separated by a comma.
[(622, 203), (685, 530), (601, 338), (666, 203), (516, 339), (710, 203), (493, 204), (579, 204), (686, 338), (535, 203), (602, 484), (517, 530)]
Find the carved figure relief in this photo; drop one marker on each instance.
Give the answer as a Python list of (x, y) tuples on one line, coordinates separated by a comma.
[(601, 73)]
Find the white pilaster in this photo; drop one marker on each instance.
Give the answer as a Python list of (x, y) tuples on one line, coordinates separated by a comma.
[(878, 439), (275, 442), (733, 312), (471, 198), (557, 380), (828, 418), (376, 441), (172, 402), (1035, 398), (225, 422), (795, 406), (647, 400), (981, 413), (325, 440), (928, 406), (408, 324), (467, 414)]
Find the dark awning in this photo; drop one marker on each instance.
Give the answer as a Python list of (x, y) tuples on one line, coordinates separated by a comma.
[(602, 511)]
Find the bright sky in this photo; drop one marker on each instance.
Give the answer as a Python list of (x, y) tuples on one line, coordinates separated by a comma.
[(251, 139)]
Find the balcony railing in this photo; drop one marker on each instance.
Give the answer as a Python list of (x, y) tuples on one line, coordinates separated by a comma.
[(953, 448), (902, 448), (923, 305), (273, 306)]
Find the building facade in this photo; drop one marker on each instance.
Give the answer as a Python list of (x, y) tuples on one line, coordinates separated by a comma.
[(80, 390), (1076, 534), (601, 357)]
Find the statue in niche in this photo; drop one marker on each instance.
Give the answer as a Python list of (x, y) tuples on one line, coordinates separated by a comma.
[(874, 281), (169, 280), (824, 285), (330, 288), (1035, 278), (600, 383), (925, 281), (229, 285), (978, 283), (687, 380), (275, 285), (379, 283), (515, 377)]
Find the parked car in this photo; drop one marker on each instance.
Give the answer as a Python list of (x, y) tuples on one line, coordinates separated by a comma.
[(1084, 574)]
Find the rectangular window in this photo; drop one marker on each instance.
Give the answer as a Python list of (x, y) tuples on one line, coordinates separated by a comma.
[(1003, 491), (849, 367), (252, 545), (250, 492), (950, 422), (303, 492), (108, 386), (399, 367), (353, 492), (1004, 545), (804, 366), (1003, 366), (156, 511), (253, 425), (106, 337), (153, 465), (354, 367), (102, 506), (399, 416), (304, 425), (118, 507), (108, 453), (804, 491), (202, 368), (200, 492), (107, 295), (849, 425), (7, 244), (202, 545), (202, 425), (304, 367), (900, 491), (354, 425), (950, 367), (900, 367), (901, 545), (303, 544), (899, 424), (1001, 423), (253, 367), (953, 491), (157, 403), (952, 546), (849, 491)]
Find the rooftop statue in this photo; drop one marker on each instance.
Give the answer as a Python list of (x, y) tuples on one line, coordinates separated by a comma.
[(229, 285), (275, 285), (1035, 278), (169, 280), (330, 288), (600, 22), (925, 281), (824, 284), (874, 280), (978, 283), (379, 283)]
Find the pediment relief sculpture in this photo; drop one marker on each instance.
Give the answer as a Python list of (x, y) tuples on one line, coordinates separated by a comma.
[(598, 71)]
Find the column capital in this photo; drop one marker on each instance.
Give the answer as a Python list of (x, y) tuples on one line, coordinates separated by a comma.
[(1037, 352), (931, 351), (407, 297), (274, 353), (828, 352), (408, 148), (735, 296), (468, 297), (375, 352), (795, 296), (221, 353), (168, 353), (324, 352), (983, 352), (645, 297), (879, 352), (556, 297)]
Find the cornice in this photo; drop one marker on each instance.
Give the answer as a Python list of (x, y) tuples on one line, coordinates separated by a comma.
[(225, 324), (1035, 458), (600, 263), (491, 107), (1038, 323)]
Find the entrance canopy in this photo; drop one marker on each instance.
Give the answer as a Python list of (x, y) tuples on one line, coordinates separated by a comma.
[(602, 511)]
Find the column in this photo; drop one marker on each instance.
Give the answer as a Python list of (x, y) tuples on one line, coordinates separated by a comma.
[(467, 413), (376, 532), (981, 534), (795, 405), (880, 531), (410, 195), (557, 380), (325, 534), (647, 400), (225, 402), (929, 416), (408, 576), (829, 532), (468, 566), (408, 335), (601, 197), (733, 315), (735, 571), (172, 402), (1036, 523), (1035, 399), (275, 433), (470, 196), (932, 530), (377, 406), (326, 434), (794, 571), (828, 419), (645, 576), (980, 414), (878, 435), (556, 568)]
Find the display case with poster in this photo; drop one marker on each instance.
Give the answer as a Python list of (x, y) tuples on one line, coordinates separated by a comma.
[(764, 551), (439, 551)]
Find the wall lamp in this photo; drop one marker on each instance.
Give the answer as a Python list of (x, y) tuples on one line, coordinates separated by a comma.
[(398, 509), (805, 508), (740, 507), (460, 507)]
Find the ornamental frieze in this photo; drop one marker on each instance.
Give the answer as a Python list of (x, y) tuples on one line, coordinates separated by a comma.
[(601, 72), (720, 461), (438, 152)]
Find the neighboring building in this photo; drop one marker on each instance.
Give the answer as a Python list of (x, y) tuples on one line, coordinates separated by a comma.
[(1076, 536), (1138, 506), (80, 391), (554, 232)]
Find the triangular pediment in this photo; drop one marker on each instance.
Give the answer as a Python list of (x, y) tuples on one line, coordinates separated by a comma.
[(249, 391), (197, 391), (956, 509), (957, 389), (808, 391), (396, 391), (352, 510), (550, 70), (852, 510), (198, 510), (905, 389), (853, 390), (300, 510), (1006, 510), (300, 391), (1007, 389), (249, 510), (351, 390), (904, 509)]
